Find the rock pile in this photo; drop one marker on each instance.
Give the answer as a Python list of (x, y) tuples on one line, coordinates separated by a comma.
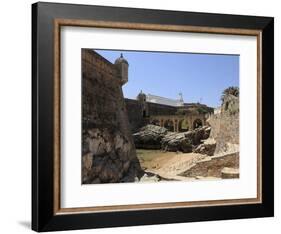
[(155, 137), (208, 147)]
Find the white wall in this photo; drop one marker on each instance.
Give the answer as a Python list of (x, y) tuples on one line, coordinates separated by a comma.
[(15, 124)]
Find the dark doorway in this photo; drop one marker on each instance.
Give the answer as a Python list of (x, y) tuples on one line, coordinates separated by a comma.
[(197, 123)]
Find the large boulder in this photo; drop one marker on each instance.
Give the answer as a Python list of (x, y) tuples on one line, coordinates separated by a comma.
[(208, 147), (176, 142), (149, 137), (185, 141), (197, 135), (155, 137)]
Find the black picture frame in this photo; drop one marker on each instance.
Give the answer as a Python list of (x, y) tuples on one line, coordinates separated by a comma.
[(43, 65)]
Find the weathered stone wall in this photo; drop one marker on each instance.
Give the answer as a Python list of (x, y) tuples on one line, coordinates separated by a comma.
[(225, 126), (160, 109), (138, 118), (225, 130), (135, 114), (108, 151), (95, 71)]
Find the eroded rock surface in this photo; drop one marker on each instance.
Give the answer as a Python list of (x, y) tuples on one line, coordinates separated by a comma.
[(149, 137), (208, 147), (155, 137), (109, 158), (176, 142)]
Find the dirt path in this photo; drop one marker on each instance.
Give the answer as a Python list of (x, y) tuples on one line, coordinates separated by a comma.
[(167, 164)]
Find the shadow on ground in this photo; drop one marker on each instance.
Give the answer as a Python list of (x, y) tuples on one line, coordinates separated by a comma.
[(25, 224)]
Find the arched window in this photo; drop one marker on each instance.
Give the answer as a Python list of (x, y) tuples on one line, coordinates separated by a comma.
[(197, 123), (144, 113), (169, 125), (183, 125)]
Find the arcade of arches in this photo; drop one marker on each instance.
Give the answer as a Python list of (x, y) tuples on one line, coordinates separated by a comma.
[(177, 123)]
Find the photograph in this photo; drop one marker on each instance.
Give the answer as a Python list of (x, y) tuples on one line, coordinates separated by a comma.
[(158, 116), (143, 116)]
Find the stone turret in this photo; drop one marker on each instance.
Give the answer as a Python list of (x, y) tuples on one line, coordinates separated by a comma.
[(122, 65), (141, 97), (142, 100)]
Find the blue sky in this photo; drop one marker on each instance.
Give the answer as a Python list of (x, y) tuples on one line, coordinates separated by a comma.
[(199, 77)]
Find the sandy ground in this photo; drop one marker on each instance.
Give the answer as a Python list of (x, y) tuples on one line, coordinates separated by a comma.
[(167, 164)]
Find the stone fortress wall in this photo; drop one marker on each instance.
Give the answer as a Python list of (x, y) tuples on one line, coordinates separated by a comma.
[(95, 71), (138, 116), (108, 150), (141, 113), (225, 126), (225, 129)]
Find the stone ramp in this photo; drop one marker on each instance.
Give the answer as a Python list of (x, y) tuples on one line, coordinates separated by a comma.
[(212, 166)]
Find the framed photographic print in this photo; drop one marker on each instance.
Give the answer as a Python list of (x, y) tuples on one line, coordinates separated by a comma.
[(148, 116)]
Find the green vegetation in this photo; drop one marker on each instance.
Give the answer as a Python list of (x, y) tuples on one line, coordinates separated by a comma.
[(202, 110), (230, 100), (232, 90)]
